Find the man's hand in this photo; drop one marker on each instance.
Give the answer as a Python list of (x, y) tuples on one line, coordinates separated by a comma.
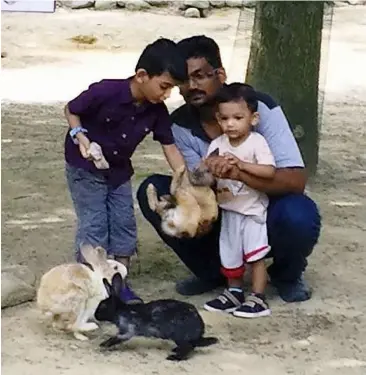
[(232, 159), (221, 167)]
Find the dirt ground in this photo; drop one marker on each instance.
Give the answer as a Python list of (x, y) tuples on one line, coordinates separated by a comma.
[(44, 69)]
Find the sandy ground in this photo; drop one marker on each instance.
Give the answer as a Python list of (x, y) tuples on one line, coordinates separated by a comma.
[(44, 69)]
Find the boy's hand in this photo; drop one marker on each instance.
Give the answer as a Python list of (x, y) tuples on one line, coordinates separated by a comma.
[(84, 145)]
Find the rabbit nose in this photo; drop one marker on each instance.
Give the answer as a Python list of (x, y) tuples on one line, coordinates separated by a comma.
[(185, 235)]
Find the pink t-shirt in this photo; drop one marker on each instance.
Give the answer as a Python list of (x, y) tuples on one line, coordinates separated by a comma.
[(235, 195)]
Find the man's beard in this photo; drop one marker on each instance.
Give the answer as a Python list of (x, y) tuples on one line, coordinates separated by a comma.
[(205, 109), (192, 95), (207, 112)]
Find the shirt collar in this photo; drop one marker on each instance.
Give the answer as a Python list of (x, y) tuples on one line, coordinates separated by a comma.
[(126, 95), (188, 117)]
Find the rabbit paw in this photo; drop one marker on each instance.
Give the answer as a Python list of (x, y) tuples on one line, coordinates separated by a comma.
[(152, 198), (79, 336), (91, 326), (175, 357), (112, 341), (180, 352)]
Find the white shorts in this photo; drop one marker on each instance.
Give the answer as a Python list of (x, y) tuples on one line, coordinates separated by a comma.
[(243, 239)]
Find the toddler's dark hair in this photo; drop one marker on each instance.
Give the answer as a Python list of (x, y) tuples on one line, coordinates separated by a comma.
[(163, 56), (235, 92)]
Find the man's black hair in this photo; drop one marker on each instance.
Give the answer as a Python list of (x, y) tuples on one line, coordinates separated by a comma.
[(235, 92), (162, 56), (199, 46)]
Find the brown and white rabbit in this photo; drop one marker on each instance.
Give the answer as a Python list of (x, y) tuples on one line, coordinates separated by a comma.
[(191, 207), (70, 293)]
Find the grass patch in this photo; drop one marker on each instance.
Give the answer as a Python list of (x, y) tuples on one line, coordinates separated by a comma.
[(84, 39)]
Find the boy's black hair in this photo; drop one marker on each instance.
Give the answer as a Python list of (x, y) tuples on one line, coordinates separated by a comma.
[(238, 91), (201, 46), (162, 56)]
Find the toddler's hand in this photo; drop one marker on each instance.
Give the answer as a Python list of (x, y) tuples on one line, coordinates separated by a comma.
[(232, 159)]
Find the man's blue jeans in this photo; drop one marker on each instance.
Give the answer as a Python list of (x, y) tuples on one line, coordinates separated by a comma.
[(293, 223)]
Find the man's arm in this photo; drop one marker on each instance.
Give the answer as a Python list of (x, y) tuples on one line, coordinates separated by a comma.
[(258, 170), (285, 180), (265, 170), (183, 141)]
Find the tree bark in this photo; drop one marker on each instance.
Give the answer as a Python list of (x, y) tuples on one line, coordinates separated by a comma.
[(284, 62)]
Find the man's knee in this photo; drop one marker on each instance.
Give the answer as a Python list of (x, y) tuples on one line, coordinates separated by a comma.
[(161, 183), (294, 220)]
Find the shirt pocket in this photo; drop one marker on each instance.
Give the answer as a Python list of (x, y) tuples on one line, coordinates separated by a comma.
[(141, 127), (111, 118)]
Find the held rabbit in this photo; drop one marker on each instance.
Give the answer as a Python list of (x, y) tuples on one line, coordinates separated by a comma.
[(70, 293), (166, 319), (191, 208)]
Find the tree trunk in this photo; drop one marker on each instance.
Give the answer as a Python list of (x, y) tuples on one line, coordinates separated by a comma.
[(284, 62)]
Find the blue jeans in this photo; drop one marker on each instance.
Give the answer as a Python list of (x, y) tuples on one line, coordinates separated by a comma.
[(293, 224), (105, 216)]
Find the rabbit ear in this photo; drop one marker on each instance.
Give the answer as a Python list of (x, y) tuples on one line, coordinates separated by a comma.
[(215, 152), (101, 254), (88, 252), (108, 287), (95, 256), (117, 284)]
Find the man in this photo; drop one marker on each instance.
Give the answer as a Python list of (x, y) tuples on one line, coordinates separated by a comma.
[(293, 219)]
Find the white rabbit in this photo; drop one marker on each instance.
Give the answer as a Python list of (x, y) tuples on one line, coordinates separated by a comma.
[(70, 293)]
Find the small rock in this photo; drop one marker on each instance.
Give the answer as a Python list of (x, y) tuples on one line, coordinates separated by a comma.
[(21, 272), (17, 285), (337, 4), (249, 4), (4, 54), (137, 5), (158, 3), (199, 4), (105, 5), (234, 3), (82, 4), (218, 3), (77, 4), (204, 13), (121, 4), (192, 13), (356, 2)]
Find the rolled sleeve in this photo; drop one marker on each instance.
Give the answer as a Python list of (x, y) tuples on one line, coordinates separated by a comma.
[(263, 153), (162, 132), (281, 141), (89, 99), (183, 142)]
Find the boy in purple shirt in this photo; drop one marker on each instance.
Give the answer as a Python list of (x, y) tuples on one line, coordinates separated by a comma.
[(117, 114)]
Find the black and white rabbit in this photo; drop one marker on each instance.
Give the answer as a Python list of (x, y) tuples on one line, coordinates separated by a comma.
[(166, 319)]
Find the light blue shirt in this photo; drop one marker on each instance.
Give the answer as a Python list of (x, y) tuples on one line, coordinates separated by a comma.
[(273, 126)]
